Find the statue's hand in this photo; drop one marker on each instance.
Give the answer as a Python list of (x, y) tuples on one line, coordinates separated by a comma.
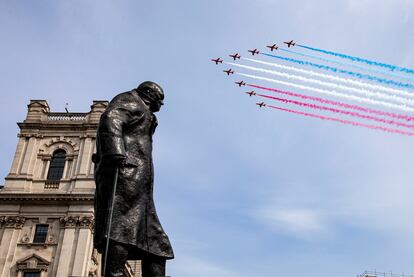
[(119, 161), (115, 160)]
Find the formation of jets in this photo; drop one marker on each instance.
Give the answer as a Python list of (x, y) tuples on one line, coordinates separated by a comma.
[(254, 51), (241, 83), (235, 56), (229, 71)]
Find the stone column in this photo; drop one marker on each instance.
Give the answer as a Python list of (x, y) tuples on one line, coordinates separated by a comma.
[(85, 158), (18, 156), (29, 157), (65, 256), (13, 225), (84, 247), (45, 169)]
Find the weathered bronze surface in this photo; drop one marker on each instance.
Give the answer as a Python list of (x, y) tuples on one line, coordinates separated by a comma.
[(124, 140)]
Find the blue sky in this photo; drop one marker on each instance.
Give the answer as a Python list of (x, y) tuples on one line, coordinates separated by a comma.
[(240, 191)]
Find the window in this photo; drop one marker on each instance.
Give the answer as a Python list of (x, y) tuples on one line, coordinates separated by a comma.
[(41, 234), (31, 274), (57, 164)]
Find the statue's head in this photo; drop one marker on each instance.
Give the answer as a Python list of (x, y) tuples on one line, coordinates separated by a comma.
[(152, 95)]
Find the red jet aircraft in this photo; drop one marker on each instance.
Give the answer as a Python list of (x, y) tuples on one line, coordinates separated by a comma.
[(241, 83), (262, 104), (289, 43), (251, 93), (235, 56), (272, 47), (254, 51), (217, 61), (229, 71)]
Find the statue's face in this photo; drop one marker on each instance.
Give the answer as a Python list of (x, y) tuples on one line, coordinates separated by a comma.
[(154, 98), (155, 104), (152, 95)]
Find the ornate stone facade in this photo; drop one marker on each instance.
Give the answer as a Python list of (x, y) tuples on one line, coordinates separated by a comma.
[(46, 205)]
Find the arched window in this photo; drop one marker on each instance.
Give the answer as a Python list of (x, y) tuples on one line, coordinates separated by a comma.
[(57, 164)]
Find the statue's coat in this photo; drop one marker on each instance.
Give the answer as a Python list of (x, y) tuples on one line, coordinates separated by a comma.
[(125, 130)]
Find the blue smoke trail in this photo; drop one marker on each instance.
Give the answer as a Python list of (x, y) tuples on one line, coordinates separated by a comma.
[(337, 70), (347, 64), (361, 60)]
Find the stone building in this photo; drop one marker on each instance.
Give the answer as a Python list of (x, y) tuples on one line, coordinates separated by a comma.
[(46, 205)]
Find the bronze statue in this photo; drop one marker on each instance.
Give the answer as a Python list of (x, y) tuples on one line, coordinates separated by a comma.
[(124, 156)]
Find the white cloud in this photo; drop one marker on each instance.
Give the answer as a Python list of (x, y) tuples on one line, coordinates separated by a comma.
[(302, 223)]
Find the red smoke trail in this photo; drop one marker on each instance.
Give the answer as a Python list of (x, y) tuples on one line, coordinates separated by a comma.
[(335, 103), (348, 122), (317, 107)]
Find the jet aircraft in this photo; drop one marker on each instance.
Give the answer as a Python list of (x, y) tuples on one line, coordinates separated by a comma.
[(254, 51), (229, 71), (251, 93), (262, 104), (289, 43), (217, 61), (272, 47), (241, 83), (235, 56)]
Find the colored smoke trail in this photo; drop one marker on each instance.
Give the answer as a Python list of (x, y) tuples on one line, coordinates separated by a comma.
[(361, 60), (350, 73), (335, 103), (332, 93), (323, 108), (334, 78), (349, 64), (348, 122), (363, 92)]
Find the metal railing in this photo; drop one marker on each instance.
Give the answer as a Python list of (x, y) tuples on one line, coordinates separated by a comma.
[(66, 116), (382, 274), (52, 184)]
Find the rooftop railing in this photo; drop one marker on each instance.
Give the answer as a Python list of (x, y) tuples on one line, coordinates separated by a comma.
[(382, 274), (66, 116)]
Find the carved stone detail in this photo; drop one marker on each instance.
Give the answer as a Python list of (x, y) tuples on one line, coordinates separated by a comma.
[(69, 221), (15, 222), (94, 263), (74, 221), (51, 239), (32, 262), (86, 222), (25, 238)]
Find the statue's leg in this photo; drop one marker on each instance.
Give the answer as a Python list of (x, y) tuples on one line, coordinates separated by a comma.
[(117, 257), (153, 266)]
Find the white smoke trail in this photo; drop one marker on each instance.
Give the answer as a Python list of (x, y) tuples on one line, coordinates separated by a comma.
[(364, 92), (335, 78), (333, 93)]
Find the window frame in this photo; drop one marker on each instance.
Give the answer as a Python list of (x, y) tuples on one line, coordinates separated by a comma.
[(40, 234), (57, 165), (39, 273)]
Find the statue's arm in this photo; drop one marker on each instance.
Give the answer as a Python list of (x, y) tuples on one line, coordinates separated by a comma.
[(110, 132)]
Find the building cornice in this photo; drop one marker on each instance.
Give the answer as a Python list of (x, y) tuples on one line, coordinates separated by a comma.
[(60, 126), (47, 198)]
